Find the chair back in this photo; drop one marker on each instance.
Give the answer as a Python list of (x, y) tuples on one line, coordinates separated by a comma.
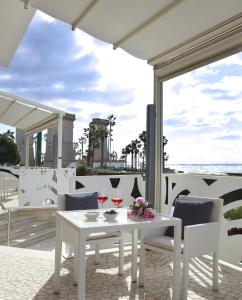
[(217, 210)]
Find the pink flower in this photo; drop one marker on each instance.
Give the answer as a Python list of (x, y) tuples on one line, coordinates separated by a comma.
[(130, 213), (148, 214), (140, 211), (140, 200)]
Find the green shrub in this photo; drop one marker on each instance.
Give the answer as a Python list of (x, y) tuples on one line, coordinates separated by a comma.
[(81, 169), (234, 213), (9, 153)]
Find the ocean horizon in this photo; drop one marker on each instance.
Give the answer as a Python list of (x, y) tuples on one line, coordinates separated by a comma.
[(207, 168)]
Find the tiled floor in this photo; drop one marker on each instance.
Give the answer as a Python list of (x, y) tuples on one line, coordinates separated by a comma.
[(28, 274)]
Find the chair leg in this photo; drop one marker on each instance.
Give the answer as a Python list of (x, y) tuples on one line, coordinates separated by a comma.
[(215, 270), (121, 255), (142, 264), (97, 256), (185, 270)]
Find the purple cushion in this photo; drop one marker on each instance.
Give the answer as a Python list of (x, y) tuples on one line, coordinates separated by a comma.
[(81, 201), (191, 213)]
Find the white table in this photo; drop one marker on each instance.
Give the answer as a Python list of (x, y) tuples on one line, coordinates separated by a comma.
[(72, 227)]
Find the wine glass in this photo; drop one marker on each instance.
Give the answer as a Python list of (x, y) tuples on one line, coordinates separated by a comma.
[(118, 199), (102, 197)]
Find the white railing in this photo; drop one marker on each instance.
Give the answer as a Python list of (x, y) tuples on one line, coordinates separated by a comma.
[(128, 186), (39, 187)]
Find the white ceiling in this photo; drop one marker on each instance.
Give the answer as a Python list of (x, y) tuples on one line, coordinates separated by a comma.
[(145, 29), (14, 21), (149, 28)]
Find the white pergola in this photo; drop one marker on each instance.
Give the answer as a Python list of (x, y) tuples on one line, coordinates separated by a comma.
[(32, 117), (174, 36)]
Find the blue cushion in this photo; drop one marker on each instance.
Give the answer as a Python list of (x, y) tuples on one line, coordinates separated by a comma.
[(191, 213), (81, 201)]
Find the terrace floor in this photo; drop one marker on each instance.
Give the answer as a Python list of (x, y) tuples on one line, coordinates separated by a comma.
[(28, 274)]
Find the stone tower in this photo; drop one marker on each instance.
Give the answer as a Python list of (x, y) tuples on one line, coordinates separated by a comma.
[(67, 143), (20, 141)]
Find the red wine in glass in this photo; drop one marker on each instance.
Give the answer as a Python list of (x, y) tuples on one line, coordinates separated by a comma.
[(102, 199), (117, 201)]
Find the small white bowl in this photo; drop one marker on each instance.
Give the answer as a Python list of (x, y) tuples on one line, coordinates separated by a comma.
[(110, 217), (91, 215)]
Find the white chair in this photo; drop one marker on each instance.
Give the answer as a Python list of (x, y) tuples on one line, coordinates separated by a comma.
[(198, 240), (96, 239)]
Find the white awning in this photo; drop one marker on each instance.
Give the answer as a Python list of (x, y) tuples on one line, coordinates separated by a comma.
[(150, 29), (14, 22), (27, 115)]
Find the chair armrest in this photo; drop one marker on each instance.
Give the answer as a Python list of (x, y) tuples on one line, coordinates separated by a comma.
[(201, 239)]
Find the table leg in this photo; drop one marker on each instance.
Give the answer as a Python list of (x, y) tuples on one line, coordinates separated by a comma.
[(177, 262), (121, 255), (134, 255), (81, 266), (58, 249), (142, 259)]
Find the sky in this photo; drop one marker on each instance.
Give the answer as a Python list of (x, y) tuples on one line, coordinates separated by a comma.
[(84, 76), (81, 75), (203, 114)]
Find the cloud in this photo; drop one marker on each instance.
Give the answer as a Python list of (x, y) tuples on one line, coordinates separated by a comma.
[(202, 112), (175, 122), (80, 74), (229, 137), (123, 118), (46, 67)]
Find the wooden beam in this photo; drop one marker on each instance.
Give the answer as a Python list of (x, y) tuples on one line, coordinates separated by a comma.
[(149, 21), (84, 13)]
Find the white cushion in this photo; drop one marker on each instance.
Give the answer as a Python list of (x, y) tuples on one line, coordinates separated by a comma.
[(102, 235), (164, 242)]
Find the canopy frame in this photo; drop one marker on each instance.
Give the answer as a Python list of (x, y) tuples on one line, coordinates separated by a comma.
[(51, 117)]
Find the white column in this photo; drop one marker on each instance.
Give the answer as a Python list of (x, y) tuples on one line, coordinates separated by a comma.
[(158, 100), (59, 148), (26, 151)]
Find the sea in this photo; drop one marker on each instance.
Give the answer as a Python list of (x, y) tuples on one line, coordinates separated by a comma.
[(207, 168)]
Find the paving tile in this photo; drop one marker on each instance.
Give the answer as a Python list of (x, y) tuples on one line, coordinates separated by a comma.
[(27, 276)]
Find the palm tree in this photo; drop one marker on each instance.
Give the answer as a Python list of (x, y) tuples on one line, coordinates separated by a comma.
[(132, 150), (124, 155), (137, 146), (91, 135), (82, 140), (165, 155), (111, 123), (86, 134), (142, 138), (128, 151), (102, 134), (76, 149)]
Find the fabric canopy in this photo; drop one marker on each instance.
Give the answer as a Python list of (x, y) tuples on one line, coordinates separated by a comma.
[(145, 29), (26, 115), (14, 22)]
